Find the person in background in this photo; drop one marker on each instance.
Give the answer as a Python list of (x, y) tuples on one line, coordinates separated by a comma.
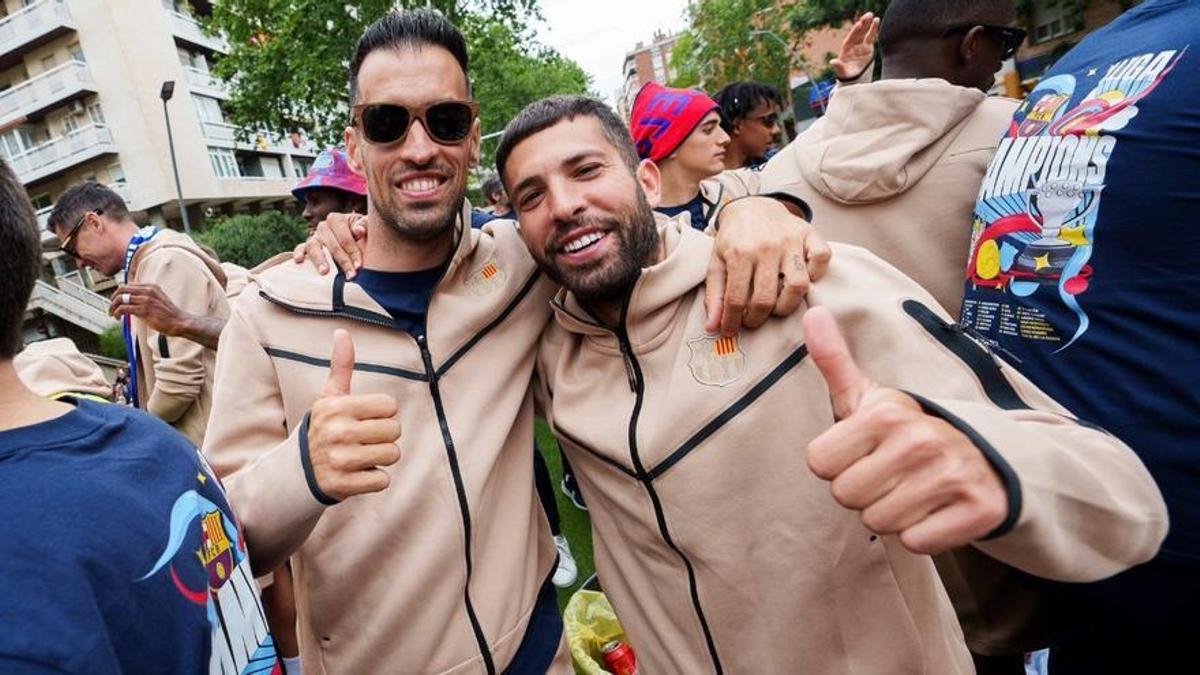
[(331, 186), (119, 553), (1083, 273), (497, 198), (170, 377)]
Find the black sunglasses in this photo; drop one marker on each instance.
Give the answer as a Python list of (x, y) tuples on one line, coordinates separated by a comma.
[(1010, 36), (447, 122), (67, 244)]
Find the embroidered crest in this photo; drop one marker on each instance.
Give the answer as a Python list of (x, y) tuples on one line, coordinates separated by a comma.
[(487, 278), (716, 361)]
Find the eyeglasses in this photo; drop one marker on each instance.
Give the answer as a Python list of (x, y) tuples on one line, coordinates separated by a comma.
[(447, 122), (769, 120), (1010, 36), (67, 245)]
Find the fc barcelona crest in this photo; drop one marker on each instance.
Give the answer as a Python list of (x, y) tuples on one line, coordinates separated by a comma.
[(716, 361), (487, 278)]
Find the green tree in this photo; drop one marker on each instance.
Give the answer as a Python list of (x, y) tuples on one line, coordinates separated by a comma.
[(719, 46), (247, 239), (112, 344), (288, 61), (808, 15)]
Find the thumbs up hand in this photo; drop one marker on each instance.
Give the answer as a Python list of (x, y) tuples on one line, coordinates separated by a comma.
[(907, 472), (351, 437)]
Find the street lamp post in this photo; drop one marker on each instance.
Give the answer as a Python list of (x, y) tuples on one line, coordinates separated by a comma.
[(792, 59), (168, 90)]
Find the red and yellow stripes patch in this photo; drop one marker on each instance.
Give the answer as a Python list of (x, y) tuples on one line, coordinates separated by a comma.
[(490, 270), (725, 346)]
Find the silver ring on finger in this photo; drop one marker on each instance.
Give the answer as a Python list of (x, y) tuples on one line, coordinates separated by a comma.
[(125, 299)]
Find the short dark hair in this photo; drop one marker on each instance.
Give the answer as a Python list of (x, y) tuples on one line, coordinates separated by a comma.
[(408, 28), (909, 19), (739, 99), (491, 185), (22, 252), (80, 199), (543, 114)]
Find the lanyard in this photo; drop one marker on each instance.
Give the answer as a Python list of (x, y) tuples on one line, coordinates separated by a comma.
[(143, 235)]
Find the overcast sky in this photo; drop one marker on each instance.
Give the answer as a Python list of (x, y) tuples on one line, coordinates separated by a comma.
[(598, 33)]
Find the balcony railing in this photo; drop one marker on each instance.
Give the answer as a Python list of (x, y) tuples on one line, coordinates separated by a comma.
[(226, 135), (44, 91), (63, 152), (187, 28), (204, 82), (33, 24)]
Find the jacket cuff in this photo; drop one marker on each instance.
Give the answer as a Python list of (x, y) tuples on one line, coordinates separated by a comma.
[(306, 462), (1012, 486)]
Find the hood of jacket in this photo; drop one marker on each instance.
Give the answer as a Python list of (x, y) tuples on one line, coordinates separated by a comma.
[(53, 367), (877, 140), (166, 239)]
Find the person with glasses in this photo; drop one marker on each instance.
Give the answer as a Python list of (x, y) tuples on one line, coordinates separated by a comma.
[(170, 377), (749, 115), (895, 167), (375, 426)]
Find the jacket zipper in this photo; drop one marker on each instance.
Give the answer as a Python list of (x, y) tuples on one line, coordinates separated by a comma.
[(464, 508), (638, 386), (451, 454)]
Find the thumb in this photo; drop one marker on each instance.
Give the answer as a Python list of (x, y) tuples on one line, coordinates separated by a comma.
[(847, 384), (341, 365)]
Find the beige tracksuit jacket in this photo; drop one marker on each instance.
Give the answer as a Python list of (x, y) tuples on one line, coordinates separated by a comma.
[(439, 572), (895, 166), (175, 375), (722, 553)]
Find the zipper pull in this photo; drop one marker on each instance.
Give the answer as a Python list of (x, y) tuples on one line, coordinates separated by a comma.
[(628, 359)]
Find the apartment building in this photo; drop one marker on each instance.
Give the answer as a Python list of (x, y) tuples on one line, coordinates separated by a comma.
[(645, 63), (80, 84)]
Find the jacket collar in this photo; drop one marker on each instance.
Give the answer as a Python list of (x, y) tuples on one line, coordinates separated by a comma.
[(652, 306), (300, 288)]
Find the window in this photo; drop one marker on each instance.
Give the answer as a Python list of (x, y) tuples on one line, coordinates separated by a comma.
[(116, 172), (76, 52), (17, 141), (95, 113), (48, 63), (301, 166), (224, 164), (272, 166), (1054, 18), (70, 123), (209, 109), (42, 201)]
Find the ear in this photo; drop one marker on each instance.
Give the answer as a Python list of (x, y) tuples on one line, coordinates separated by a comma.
[(972, 44), (650, 181), (476, 142), (350, 137)]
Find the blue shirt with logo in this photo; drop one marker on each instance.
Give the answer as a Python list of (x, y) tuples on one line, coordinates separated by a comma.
[(120, 553), (1084, 269)]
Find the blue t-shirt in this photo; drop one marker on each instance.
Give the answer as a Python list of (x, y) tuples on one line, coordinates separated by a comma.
[(1084, 269), (405, 295), (1084, 273), (120, 553), (695, 208)]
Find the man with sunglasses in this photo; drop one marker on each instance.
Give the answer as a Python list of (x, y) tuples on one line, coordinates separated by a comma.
[(426, 551), (170, 377), (894, 166)]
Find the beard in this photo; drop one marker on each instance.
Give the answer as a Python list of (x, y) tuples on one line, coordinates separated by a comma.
[(634, 246), (417, 223)]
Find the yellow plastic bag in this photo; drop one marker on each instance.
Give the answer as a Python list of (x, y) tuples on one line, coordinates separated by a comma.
[(590, 624)]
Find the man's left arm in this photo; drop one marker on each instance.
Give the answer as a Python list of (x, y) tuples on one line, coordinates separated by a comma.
[(179, 364)]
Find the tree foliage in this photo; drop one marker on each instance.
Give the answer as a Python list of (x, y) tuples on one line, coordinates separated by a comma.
[(247, 239), (808, 15), (719, 47), (288, 61), (112, 344)]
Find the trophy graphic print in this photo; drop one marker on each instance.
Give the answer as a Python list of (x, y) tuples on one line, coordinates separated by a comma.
[(1062, 207)]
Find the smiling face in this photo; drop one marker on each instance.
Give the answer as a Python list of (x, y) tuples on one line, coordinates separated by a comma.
[(585, 216), (702, 153), (416, 185)]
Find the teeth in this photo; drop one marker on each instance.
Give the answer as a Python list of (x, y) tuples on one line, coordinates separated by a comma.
[(419, 185), (583, 242)]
